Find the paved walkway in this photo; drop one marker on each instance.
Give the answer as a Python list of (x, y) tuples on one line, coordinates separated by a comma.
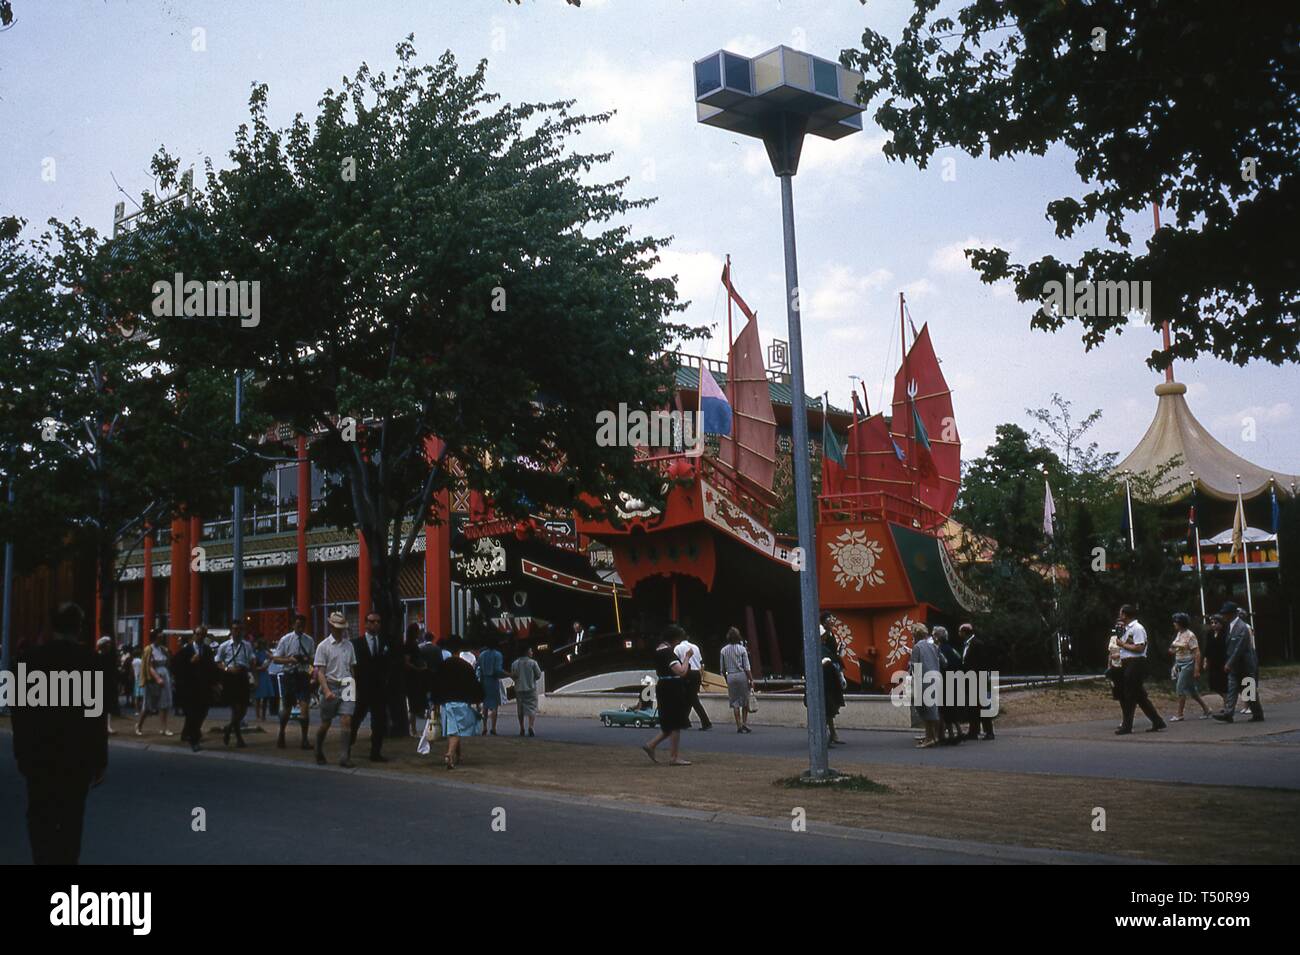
[(1197, 751), (262, 810)]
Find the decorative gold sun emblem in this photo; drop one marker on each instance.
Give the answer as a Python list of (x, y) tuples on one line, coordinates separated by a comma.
[(854, 560)]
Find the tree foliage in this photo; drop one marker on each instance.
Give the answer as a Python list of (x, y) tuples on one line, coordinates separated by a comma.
[(1192, 105), (1074, 580), (431, 263), (99, 437)]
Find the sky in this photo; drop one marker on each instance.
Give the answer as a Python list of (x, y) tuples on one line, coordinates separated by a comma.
[(90, 89)]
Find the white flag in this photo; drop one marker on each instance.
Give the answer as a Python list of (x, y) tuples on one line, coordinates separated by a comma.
[(1049, 512)]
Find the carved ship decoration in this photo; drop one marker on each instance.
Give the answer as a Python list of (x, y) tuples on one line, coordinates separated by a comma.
[(883, 523)]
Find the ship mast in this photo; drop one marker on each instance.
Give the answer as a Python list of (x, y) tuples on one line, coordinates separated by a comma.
[(731, 378), (907, 385)]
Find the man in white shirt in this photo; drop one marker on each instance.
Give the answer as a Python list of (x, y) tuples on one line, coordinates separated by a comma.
[(1133, 662), (335, 664), (235, 660), (290, 670), (689, 654)]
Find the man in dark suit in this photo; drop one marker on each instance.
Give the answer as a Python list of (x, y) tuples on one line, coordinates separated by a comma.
[(1241, 665), (60, 750), (977, 658), (195, 673), (373, 665)]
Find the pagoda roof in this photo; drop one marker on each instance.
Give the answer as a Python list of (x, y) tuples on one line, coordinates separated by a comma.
[(1175, 432)]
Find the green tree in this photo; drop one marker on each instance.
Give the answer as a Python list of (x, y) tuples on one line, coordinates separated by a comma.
[(98, 436), (1076, 579), (431, 263), (1189, 104)]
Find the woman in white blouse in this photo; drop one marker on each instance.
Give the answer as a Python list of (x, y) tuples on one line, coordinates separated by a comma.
[(1187, 666)]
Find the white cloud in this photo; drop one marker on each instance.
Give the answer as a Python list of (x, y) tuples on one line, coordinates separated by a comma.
[(951, 258), (746, 45), (1260, 415), (920, 289), (644, 97), (698, 275), (842, 295), (838, 156)]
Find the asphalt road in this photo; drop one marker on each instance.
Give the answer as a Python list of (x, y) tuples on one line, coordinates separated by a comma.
[(261, 812), (1242, 754)]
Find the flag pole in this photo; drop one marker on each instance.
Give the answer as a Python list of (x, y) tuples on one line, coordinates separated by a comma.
[(698, 450), (1128, 502), (1245, 552), (1276, 522), (907, 384), (731, 377), (1196, 533)]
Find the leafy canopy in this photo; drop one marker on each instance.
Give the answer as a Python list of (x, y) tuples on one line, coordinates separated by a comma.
[(1192, 105)]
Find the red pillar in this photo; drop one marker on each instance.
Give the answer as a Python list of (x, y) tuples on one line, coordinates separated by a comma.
[(437, 557), (148, 584), (196, 581), (363, 581), (178, 604), (303, 602)]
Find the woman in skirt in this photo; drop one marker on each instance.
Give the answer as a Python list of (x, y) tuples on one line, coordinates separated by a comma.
[(1187, 665), (456, 691), (740, 680), (156, 679), (670, 696)]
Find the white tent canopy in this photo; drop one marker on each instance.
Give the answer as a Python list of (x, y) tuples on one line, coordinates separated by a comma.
[(1251, 535), (1175, 432)]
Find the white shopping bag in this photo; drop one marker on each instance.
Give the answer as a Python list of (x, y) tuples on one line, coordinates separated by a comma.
[(427, 736)]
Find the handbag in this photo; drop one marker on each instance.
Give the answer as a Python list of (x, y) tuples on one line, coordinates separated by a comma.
[(753, 701)]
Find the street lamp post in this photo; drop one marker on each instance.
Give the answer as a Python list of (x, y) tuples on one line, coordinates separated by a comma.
[(779, 97), (237, 545)]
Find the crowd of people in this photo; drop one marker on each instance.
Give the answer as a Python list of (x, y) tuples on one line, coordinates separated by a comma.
[(950, 721), (1228, 660), (444, 682)]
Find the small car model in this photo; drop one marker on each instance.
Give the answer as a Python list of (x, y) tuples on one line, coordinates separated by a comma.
[(637, 717)]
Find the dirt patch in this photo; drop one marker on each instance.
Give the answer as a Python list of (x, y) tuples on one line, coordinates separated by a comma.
[(1078, 702)]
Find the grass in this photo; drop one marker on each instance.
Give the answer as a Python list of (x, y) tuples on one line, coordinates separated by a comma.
[(842, 783)]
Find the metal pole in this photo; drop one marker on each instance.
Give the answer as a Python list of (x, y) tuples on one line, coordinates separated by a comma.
[(237, 569), (6, 641), (1196, 533), (1245, 552), (818, 767)]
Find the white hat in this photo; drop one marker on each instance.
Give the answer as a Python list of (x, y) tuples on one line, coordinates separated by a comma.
[(338, 620)]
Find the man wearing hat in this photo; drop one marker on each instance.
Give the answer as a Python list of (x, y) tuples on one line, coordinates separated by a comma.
[(1242, 664), (335, 664)]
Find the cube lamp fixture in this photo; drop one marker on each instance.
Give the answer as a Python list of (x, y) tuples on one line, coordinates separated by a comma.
[(778, 97)]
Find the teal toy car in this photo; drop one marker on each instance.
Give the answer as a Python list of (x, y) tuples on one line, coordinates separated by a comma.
[(636, 718)]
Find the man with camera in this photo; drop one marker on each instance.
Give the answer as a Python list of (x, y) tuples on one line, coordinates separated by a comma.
[(1131, 638), (235, 660), (291, 670)]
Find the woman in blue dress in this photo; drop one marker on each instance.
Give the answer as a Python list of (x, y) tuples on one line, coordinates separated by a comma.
[(489, 669), (455, 691)]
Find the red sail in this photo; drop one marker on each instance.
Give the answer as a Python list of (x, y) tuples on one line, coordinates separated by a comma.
[(935, 488), (871, 461), (753, 453)]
